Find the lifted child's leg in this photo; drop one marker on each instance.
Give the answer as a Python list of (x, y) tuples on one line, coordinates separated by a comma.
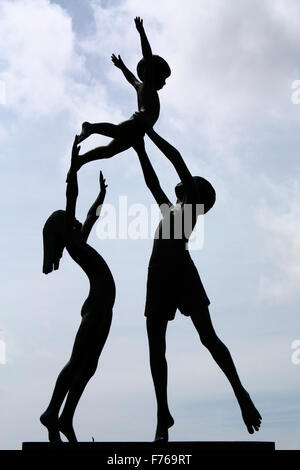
[(113, 148), (103, 128)]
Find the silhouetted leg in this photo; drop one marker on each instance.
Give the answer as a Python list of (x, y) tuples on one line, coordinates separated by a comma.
[(221, 355), (113, 148), (65, 421), (50, 417), (97, 335), (103, 128), (66, 377), (156, 329)]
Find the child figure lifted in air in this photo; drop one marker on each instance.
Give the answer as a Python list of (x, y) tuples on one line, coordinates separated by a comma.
[(153, 72)]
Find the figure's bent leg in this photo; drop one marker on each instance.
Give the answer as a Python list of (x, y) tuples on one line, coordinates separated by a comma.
[(97, 335), (222, 356), (113, 148), (50, 417), (103, 128), (156, 330), (65, 421)]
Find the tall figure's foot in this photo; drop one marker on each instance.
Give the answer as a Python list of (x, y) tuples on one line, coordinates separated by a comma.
[(66, 428), (51, 423), (162, 429), (85, 132), (251, 416)]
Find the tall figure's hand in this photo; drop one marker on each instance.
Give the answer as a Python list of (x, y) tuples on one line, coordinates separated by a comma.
[(117, 61), (139, 24)]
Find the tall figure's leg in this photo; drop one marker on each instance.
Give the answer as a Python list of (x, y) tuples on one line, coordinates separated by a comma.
[(156, 330), (221, 355)]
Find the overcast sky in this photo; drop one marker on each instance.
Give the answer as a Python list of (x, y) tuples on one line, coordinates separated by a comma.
[(228, 108)]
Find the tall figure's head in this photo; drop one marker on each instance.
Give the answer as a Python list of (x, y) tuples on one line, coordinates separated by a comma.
[(207, 194), (160, 70), (54, 240)]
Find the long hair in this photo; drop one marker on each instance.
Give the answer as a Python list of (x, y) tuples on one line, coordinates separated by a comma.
[(53, 240)]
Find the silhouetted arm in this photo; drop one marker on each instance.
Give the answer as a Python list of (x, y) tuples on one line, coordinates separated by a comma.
[(146, 48), (130, 77), (94, 211), (150, 177), (72, 187), (177, 161)]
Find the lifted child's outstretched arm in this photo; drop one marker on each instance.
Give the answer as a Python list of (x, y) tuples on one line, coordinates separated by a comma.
[(146, 48), (130, 77)]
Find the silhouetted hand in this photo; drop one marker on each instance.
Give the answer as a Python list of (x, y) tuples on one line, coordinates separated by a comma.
[(117, 61), (139, 24), (103, 186)]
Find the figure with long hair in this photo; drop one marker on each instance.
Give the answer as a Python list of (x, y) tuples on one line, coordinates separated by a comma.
[(174, 283), (62, 230)]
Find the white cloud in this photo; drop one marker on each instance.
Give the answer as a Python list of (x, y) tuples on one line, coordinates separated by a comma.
[(43, 72), (280, 220)]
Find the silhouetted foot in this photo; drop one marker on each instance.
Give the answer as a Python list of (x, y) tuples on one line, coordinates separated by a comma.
[(51, 424), (67, 429), (162, 429), (85, 132), (251, 416)]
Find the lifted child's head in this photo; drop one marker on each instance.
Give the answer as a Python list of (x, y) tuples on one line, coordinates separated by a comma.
[(207, 194), (161, 71)]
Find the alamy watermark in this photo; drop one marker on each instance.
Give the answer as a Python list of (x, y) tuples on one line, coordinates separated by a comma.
[(295, 358), (138, 221), (2, 92)]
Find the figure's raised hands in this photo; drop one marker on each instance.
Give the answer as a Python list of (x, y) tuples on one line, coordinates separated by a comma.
[(74, 167), (117, 61), (103, 185), (139, 24), (75, 153)]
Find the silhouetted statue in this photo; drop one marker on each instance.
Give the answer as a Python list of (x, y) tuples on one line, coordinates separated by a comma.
[(153, 72), (173, 282), (63, 230)]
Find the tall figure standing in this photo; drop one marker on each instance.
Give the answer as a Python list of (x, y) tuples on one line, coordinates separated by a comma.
[(62, 230), (174, 283)]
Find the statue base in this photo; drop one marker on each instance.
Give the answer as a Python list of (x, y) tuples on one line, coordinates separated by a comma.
[(152, 452)]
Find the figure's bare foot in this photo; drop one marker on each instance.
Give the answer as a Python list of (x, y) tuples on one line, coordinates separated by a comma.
[(162, 429), (66, 428), (51, 423), (85, 132), (251, 416)]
